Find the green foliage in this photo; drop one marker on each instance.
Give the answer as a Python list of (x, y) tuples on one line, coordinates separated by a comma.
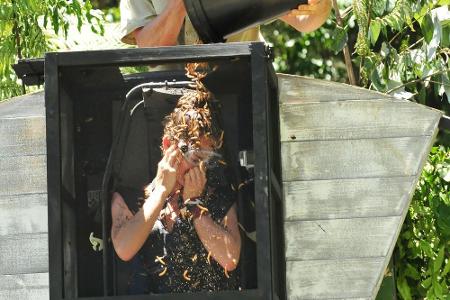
[(311, 54), (404, 51), (401, 47), (22, 32), (422, 257)]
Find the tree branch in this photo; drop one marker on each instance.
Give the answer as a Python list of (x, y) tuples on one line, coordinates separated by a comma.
[(346, 50), (417, 80)]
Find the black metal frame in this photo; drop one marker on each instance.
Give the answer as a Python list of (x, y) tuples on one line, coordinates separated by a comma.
[(265, 121)]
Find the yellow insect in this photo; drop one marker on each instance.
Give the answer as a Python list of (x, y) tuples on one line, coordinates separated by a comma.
[(186, 276), (160, 259), (203, 210), (163, 272)]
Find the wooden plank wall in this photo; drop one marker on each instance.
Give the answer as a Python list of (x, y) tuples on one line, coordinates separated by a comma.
[(23, 199), (350, 162)]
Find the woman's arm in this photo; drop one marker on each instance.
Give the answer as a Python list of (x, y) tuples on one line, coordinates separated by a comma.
[(164, 29), (128, 231), (309, 17), (222, 240)]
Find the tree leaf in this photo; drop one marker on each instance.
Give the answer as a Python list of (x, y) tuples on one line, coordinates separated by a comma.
[(55, 20), (378, 7), (340, 39), (411, 272), (439, 259), (374, 30), (435, 40), (446, 268), (403, 288), (427, 28), (426, 247), (377, 81), (437, 289), (426, 283), (446, 86)]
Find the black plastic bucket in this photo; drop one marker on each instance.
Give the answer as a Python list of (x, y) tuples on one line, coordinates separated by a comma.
[(214, 20)]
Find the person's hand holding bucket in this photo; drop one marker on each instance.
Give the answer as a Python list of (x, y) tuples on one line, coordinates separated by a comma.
[(309, 17)]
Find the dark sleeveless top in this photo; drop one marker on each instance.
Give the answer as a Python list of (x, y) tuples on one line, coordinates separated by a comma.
[(181, 251)]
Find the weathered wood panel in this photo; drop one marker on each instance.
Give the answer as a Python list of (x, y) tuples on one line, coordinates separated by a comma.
[(25, 253), (355, 120), (30, 105), (387, 157), (300, 90), (23, 214), (23, 175), (22, 136), (332, 279), (339, 238), (346, 198), (24, 286), (350, 160)]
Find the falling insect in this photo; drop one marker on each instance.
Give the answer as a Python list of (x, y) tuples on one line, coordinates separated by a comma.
[(163, 272), (160, 259), (203, 210), (186, 276)]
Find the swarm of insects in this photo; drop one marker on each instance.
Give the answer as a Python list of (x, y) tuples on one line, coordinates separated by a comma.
[(192, 117)]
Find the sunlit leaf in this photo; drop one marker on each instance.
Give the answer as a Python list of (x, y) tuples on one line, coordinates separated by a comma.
[(439, 259), (375, 29), (437, 290), (426, 283), (442, 14), (446, 268), (426, 247)]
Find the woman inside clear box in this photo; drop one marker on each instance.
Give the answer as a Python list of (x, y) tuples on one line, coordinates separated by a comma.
[(181, 232)]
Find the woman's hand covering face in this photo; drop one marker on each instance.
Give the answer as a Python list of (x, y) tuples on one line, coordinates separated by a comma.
[(194, 183), (167, 169)]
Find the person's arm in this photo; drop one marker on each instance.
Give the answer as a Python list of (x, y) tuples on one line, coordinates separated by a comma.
[(309, 17), (128, 231), (223, 240), (164, 29)]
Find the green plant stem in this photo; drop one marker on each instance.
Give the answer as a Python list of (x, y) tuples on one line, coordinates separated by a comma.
[(346, 12), (441, 83), (418, 80), (415, 44)]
